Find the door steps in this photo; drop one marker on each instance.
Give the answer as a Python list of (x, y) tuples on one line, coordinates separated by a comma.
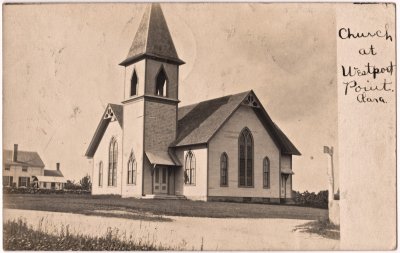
[(163, 196)]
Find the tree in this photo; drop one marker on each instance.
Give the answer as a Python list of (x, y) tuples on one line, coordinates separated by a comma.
[(86, 183), (70, 185)]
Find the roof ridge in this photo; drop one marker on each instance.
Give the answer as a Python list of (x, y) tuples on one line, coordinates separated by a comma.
[(236, 94), (148, 26)]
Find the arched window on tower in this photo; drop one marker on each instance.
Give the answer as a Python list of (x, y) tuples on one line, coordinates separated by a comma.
[(245, 158), (132, 169), (134, 82), (161, 83), (112, 162)]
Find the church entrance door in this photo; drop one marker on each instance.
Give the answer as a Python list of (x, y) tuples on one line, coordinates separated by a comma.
[(160, 180)]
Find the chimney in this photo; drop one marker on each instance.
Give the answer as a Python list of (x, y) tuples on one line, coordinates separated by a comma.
[(58, 166), (15, 153)]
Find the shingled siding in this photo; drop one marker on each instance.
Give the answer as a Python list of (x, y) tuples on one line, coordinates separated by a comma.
[(139, 67), (152, 70), (133, 141), (160, 125), (226, 140), (113, 130)]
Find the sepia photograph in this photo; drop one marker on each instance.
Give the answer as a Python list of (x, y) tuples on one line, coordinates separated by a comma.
[(193, 126)]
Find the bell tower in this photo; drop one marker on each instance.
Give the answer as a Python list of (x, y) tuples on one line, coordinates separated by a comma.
[(150, 95), (152, 64)]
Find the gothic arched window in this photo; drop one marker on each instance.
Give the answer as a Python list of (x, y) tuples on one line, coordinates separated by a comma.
[(132, 169), (190, 168), (224, 169), (245, 158), (134, 82), (112, 162), (266, 172), (161, 83), (101, 173)]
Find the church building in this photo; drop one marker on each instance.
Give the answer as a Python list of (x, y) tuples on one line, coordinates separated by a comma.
[(226, 148)]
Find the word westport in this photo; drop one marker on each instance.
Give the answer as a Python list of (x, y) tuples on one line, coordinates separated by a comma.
[(368, 70)]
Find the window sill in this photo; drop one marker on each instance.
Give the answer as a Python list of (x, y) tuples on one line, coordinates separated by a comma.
[(224, 185), (241, 186), (190, 184)]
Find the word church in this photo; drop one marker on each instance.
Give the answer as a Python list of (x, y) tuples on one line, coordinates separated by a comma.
[(223, 149)]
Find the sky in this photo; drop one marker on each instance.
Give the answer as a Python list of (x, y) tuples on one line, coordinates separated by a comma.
[(60, 69)]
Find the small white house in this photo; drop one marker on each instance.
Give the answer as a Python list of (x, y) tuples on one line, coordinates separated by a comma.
[(26, 169), (51, 179)]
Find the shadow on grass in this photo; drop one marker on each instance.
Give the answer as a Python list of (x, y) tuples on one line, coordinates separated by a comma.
[(323, 228), (126, 215)]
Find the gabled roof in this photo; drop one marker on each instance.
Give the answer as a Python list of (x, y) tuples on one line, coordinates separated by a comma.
[(24, 158), (112, 111), (152, 38), (198, 123), (53, 173)]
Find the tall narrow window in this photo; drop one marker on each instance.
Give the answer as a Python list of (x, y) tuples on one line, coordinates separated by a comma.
[(245, 158), (266, 172), (112, 164), (134, 82), (224, 169), (190, 168), (101, 173), (132, 169), (161, 83)]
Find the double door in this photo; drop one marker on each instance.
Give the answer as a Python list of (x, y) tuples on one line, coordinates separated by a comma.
[(160, 178)]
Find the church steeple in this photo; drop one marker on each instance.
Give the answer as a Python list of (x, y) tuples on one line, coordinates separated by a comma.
[(152, 64), (152, 39)]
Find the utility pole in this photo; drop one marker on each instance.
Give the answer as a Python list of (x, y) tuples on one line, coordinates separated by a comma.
[(331, 175)]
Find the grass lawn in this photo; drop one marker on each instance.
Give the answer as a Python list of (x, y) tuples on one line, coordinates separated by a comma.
[(18, 236), (141, 208)]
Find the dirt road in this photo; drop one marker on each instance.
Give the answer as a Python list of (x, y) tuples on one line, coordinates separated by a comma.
[(187, 232)]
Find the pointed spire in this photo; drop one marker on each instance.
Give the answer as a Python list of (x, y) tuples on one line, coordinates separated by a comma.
[(152, 39)]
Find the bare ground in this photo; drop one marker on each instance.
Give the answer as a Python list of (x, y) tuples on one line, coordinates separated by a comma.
[(188, 233)]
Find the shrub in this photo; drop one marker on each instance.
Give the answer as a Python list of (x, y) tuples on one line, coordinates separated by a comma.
[(311, 199), (18, 236), (29, 190)]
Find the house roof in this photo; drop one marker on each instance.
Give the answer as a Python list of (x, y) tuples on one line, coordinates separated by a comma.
[(152, 38), (198, 123), (53, 173), (112, 111), (24, 158)]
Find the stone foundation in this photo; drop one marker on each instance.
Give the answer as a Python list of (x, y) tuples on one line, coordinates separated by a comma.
[(248, 199)]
